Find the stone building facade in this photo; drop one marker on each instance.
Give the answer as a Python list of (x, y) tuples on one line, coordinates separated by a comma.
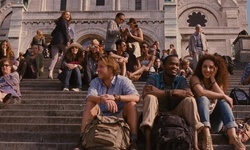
[(166, 21)]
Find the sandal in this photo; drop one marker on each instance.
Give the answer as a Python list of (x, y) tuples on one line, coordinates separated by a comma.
[(207, 143), (238, 145)]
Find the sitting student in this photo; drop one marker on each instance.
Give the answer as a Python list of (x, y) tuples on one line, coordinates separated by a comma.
[(32, 66), (121, 48), (9, 83), (165, 53), (157, 68), (111, 95), (131, 65), (185, 69), (91, 58), (19, 58), (209, 83), (7, 51), (71, 65), (167, 91), (144, 63)]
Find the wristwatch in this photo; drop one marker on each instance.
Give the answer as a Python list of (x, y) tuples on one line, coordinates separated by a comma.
[(117, 97)]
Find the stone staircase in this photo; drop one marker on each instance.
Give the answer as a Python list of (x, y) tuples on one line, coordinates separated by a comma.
[(49, 119)]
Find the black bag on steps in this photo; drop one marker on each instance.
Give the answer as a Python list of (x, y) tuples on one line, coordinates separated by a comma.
[(171, 132), (239, 97)]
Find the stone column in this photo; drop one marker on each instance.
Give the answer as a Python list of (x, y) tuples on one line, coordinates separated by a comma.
[(172, 35), (44, 5), (16, 26), (81, 3), (85, 5), (117, 4)]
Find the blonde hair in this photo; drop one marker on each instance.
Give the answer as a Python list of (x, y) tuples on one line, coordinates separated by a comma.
[(111, 63), (39, 35)]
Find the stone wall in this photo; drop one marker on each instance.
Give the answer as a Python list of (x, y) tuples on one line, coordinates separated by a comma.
[(242, 48)]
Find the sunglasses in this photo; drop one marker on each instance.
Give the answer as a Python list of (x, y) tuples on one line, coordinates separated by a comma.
[(144, 46), (5, 65), (121, 19)]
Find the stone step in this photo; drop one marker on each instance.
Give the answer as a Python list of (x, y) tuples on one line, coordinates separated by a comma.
[(55, 113), (40, 137), (39, 101), (65, 95), (41, 119), (36, 146), (239, 114), (51, 107), (40, 127), (67, 141)]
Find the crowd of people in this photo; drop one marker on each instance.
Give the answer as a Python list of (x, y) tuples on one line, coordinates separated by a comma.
[(109, 71)]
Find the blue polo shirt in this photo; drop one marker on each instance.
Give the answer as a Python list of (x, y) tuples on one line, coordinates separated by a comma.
[(120, 85), (157, 80)]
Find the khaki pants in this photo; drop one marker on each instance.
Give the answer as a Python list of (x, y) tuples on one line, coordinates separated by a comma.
[(187, 109)]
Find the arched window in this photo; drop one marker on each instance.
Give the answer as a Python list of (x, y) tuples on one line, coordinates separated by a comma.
[(196, 18)]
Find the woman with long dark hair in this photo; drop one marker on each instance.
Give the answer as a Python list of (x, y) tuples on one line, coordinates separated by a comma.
[(134, 36), (71, 68), (7, 51), (209, 84), (60, 39)]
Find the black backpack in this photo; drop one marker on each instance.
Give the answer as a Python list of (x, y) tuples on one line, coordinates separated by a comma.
[(239, 97), (171, 132)]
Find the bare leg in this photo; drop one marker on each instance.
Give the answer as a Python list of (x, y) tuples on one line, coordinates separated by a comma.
[(196, 147), (91, 110), (138, 72), (206, 139), (130, 113), (147, 137), (123, 69), (55, 52)]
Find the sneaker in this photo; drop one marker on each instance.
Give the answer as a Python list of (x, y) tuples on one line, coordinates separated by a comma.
[(65, 89), (75, 89)]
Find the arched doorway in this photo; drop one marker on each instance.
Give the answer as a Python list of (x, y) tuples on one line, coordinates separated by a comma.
[(86, 39)]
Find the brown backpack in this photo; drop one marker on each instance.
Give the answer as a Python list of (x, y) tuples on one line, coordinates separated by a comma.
[(243, 130), (106, 132)]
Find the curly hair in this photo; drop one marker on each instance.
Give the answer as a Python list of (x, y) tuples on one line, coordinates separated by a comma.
[(9, 51), (111, 63), (221, 76)]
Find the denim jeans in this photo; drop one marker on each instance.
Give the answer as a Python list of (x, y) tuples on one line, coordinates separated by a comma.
[(77, 77), (222, 115)]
